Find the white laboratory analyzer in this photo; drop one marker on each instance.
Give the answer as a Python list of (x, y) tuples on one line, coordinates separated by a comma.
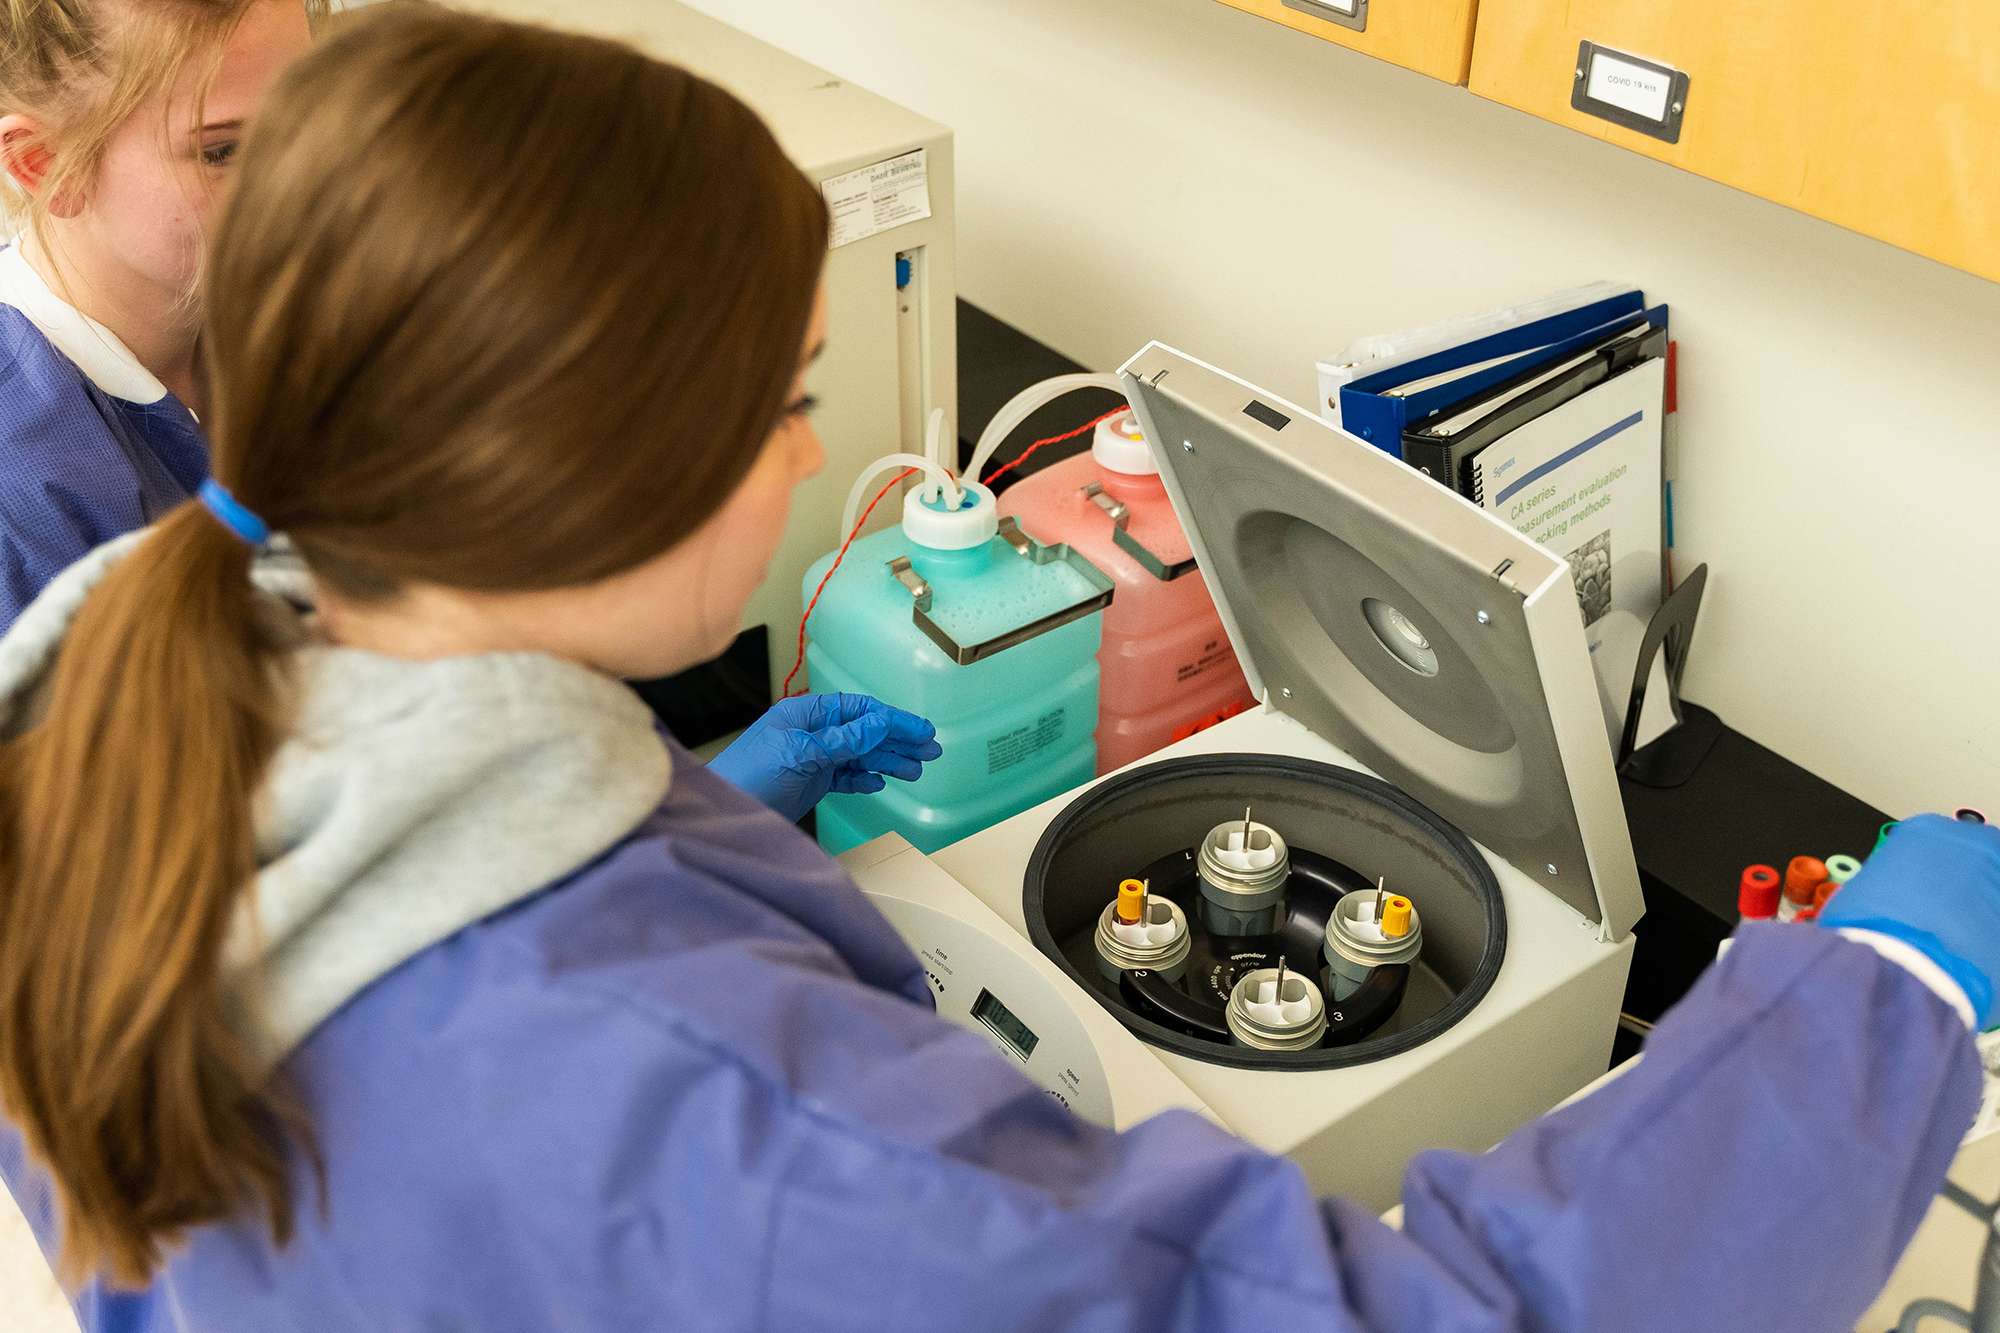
[(990, 978), (1392, 909)]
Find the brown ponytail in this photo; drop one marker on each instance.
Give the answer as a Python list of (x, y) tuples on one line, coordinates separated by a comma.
[(127, 839), (492, 308)]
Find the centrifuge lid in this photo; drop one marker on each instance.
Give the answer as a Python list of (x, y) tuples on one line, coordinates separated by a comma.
[(1400, 621)]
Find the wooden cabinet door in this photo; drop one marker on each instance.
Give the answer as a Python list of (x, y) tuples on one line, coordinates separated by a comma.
[(1882, 118), (1433, 37)]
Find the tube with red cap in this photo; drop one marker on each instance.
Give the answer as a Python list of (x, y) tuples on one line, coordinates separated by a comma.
[(1757, 893)]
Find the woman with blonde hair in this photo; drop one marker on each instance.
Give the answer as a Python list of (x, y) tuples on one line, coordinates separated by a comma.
[(380, 966), (119, 120)]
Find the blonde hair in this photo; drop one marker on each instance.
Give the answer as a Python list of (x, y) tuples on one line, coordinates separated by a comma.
[(492, 307), (81, 68)]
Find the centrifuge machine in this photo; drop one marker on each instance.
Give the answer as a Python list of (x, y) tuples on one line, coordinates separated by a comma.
[(988, 977), (1390, 910)]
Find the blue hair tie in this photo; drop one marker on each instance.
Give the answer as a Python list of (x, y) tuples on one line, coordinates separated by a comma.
[(231, 513)]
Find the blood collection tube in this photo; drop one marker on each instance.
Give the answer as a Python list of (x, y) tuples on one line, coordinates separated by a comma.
[(1802, 876), (1140, 929), (1840, 869), (1131, 902), (1965, 814), (1757, 893)]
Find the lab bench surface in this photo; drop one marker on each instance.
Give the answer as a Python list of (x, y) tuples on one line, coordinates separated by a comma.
[(1741, 804)]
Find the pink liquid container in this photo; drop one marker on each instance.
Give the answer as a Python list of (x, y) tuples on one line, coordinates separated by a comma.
[(1166, 667)]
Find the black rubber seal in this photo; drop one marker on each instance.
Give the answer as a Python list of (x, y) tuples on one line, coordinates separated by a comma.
[(1457, 847)]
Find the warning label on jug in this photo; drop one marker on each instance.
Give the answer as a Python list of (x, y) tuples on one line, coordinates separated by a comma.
[(1024, 742), (1213, 654)]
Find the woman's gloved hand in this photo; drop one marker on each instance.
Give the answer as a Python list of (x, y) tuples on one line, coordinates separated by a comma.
[(1936, 885), (803, 748)]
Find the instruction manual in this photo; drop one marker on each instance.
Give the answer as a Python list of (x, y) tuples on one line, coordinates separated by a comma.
[(1584, 480)]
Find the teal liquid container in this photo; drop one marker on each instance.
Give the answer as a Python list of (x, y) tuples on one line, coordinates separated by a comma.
[(958, 616)]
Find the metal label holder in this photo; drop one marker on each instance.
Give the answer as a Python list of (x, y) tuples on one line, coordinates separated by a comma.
[(1028, 549), (1319, 9), (1121, 517), (1668, 128)]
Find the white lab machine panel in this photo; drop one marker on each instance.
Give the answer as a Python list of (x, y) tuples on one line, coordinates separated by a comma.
[(892, 345), (1429, 719), (988, 978), (1543, 1029)]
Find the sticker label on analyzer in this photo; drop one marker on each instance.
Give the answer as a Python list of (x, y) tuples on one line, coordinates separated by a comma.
[(879, 197)]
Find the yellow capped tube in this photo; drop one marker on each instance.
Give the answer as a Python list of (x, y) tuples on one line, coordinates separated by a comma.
[(1368, 931), (1131, 902)]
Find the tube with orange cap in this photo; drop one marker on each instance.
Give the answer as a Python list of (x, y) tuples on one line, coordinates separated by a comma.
[(1803, 876), (1141, 930), (1132, 902)]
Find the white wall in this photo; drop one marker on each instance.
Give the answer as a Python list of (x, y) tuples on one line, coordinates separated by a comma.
[(1174, 169)]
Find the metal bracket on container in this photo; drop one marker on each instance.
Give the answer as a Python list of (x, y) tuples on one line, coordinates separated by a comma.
[(1028, 549), (1347, 13), (1121, 517)]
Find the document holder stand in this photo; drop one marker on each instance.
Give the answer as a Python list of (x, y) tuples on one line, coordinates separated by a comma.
[(1673, 758)]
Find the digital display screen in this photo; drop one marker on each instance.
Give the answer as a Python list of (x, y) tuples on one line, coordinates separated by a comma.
[(1000, 1021)]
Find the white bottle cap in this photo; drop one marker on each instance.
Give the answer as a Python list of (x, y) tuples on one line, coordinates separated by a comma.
[(1118, 446), (927, 522)]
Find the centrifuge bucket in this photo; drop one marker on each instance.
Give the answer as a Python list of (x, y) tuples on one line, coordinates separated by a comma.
[(1348, 832)]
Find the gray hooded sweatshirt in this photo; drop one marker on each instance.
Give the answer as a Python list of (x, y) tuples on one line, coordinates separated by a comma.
[(410, 799)]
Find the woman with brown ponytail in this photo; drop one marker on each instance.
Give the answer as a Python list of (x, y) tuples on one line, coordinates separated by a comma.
[(379, 966)]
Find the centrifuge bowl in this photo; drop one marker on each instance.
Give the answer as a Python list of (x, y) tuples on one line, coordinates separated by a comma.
[(1132, 820)]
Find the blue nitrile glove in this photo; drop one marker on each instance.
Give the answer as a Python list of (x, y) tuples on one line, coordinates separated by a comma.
[(803, 748), (1936, 885)]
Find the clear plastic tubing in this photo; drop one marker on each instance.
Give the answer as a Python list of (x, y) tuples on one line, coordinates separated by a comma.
[(1023, 405), (937, 481)]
